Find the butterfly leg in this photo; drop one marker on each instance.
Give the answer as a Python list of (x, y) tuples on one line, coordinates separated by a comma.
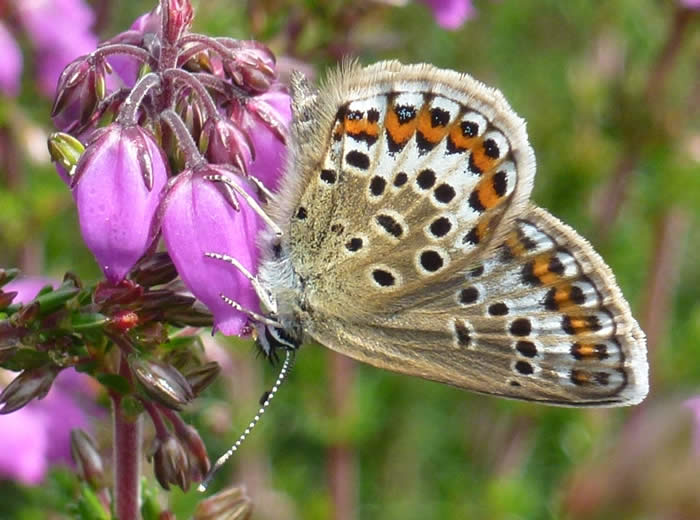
[(268, 303), (249, 200)]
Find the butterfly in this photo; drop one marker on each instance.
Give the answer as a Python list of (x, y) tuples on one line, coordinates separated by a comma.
[(409, 242)]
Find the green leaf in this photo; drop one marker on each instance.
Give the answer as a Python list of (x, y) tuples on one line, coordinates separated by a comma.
[(114, 382), (88, 321), (150, 509), (89, 506), (26, 358)]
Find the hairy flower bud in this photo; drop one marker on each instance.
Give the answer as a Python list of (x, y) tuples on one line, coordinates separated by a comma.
[(117, 188), (223, 142), (179, 19), (30, 384), (162, 382), (199, 217), (87, 459), (230, 504)]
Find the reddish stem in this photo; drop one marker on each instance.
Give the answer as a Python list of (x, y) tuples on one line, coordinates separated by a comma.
[(127, 432)]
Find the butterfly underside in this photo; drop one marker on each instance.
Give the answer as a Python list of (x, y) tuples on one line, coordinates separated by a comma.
[(414, 246)]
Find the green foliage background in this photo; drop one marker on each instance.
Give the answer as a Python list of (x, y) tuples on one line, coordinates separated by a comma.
[(599, 89)]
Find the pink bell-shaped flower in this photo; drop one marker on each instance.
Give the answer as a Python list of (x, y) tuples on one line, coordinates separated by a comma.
[(117, 188), (199, 217)]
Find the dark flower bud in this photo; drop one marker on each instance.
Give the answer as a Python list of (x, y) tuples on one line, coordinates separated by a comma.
[(190, 438), (162, 382), (6, 298), (157, 269), (170, 464), (179, 19), (26, 314), (87, 459), (125, 292), (202, 376), (224, 142), (7, 275), (230, 504), (30, 384), (80, 88)]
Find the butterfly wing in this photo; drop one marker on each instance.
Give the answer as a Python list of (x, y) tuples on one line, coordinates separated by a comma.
[(415, 181), (542, 319)]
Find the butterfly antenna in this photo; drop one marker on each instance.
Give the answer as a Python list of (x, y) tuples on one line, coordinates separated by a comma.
[(286, 367)]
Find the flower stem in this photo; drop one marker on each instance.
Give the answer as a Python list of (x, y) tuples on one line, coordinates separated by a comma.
[(128, 114), (127, 434), (127, 461), (187, 145), (186, 78), (127, 50)]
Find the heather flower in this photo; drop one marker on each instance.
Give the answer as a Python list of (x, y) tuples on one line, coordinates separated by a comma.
[(117, 189), (266, 118), (691, 4), (198, 218), (450, 14), (46, 22), (11, 64)]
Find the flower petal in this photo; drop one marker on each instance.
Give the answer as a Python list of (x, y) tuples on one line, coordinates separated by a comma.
[(197, 219)]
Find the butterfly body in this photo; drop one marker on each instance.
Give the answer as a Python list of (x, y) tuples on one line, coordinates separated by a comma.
[(409, 242)]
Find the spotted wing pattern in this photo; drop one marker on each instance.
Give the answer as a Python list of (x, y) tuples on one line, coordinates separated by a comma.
[(417, 249)]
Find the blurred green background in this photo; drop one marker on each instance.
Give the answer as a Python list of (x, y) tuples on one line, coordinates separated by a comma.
[(611, 93)]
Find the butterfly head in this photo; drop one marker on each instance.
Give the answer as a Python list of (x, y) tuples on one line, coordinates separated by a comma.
[(271, 340)]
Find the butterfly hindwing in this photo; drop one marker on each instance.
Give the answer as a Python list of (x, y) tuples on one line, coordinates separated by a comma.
[(542, 319)]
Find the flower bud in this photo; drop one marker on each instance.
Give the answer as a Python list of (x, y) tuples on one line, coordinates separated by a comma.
[(198, 218), (80, 88), (202, 376), (157, 269), (230, 504), (117, 188), (170, 464), (30, 384), (87, 459), (252, 66), (179, 16), (223, 142), (266, 119), (65, 151), (194, 444), (162, 383)]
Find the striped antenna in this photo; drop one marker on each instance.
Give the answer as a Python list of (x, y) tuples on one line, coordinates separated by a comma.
[(286, 367)]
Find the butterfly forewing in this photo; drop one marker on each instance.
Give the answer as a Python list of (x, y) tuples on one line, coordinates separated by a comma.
[(416, 248)]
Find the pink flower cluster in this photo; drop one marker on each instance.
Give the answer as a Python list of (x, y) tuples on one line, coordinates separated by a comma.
[(194, 145)]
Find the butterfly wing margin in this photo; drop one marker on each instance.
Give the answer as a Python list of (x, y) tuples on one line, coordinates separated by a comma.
[(582, 347)]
